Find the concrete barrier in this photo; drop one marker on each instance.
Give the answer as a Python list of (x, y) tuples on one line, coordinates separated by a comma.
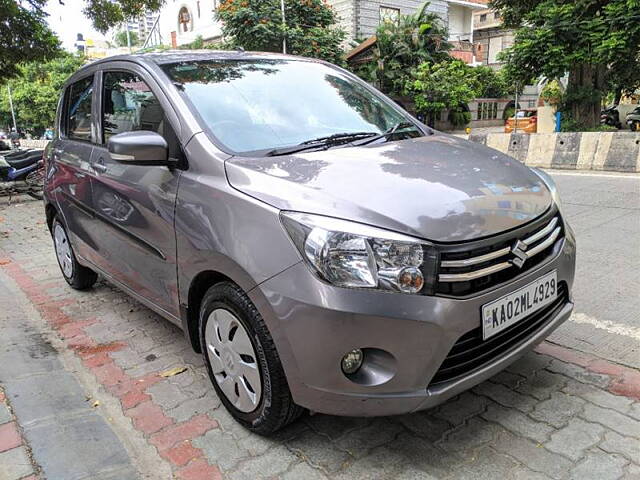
[(24, 143), (609, 151)]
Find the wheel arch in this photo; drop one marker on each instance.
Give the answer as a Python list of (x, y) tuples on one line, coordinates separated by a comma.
[(198, 287), (50, 212)]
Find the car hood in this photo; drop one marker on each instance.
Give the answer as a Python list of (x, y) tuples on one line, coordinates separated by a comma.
[(437, 187)]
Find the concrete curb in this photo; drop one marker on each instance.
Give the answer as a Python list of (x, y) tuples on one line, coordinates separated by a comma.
[(600, 151)]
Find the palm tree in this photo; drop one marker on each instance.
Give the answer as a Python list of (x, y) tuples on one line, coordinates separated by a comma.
[(403, 45)]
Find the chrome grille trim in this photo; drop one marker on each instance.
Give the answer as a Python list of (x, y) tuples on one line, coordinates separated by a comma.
[(546, 237), (547, 243), (542, 233), (465, 277), (467, 262)]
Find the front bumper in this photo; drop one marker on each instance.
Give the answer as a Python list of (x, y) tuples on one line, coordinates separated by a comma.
[(314, 324)]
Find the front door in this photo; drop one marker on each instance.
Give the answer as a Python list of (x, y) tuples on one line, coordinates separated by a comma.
[(134, 205)]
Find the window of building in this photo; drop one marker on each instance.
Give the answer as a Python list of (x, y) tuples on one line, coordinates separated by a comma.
[(389, 14), (79, 96), (487, 111), (128, 105), (483, 17), (184, 20), (198, 6)]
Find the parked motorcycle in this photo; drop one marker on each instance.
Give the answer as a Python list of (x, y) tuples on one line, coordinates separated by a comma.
[(633, 120), (22, 172), (611, 116)]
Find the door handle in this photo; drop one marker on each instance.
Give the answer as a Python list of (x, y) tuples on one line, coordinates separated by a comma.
[(99, 166)]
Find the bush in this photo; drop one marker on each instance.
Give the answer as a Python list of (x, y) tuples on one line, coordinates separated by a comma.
[(459, 118), (445, 85), (552, 93)]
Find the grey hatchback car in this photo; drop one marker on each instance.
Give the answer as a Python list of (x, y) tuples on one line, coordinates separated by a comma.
[(318, 245)]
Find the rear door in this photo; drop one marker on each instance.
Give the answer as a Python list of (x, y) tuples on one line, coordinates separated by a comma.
[(135, 204), (69, 180)]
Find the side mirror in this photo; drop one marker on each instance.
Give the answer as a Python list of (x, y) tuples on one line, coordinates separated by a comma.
[(139, 148)]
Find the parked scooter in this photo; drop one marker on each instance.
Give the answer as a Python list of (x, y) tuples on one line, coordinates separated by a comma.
[(611, 116), (22, 172), (633, 120)]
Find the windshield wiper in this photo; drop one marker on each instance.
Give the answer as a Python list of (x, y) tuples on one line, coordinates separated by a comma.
[(387, 133), (326, 142)]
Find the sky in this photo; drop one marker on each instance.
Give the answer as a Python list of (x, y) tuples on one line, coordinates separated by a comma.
[(67, 21)]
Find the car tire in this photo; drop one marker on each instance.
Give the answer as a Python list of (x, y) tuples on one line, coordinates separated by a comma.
[(242, 361), (76, 275)]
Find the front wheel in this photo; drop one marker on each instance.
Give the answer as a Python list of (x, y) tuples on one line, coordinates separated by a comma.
[(242, 361), (35, 182), (76, 275)]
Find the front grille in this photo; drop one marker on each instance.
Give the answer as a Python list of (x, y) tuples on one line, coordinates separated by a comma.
[(471, 352), (466, 269)]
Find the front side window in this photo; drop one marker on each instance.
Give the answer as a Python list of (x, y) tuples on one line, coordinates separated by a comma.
[(252, 105), (128, 104), (79, 109)]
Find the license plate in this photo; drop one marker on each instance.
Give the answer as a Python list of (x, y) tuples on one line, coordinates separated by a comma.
[(510, 309)]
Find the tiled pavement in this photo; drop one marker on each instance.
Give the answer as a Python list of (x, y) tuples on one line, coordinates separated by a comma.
[(554, 414)]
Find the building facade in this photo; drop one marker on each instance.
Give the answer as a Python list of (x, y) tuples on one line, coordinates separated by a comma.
[(490, 37), (360, 19), (182, 21)]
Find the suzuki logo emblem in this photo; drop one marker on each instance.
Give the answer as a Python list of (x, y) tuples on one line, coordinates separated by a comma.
[(518, 251)]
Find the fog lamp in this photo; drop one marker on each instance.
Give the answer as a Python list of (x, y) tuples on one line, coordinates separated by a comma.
[(352, 361)]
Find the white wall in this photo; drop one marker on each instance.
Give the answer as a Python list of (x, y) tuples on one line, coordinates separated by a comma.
[(460, 22), (204, 25)]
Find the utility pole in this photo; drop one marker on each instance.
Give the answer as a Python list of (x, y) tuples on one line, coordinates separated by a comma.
[(128, 37), (13, 113), (515, 118), (284, 26)]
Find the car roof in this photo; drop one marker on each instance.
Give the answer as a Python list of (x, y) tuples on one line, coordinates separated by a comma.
[(177, 56)]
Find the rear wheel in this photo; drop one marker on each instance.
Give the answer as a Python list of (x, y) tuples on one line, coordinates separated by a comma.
[(242, 361), (76, 275)]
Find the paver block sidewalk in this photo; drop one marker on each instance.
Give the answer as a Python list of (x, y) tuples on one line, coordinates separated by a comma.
[(15, 455), (556, 413)]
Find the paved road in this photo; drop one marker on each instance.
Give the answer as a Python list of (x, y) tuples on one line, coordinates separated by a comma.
[(604, 211), (561, 413)]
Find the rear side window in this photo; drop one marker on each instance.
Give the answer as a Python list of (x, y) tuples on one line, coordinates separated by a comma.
[(129, 104), (79, 109)]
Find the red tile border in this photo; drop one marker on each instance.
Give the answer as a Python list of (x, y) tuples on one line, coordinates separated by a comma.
[(10, 437), (624, 381), (173, 440)]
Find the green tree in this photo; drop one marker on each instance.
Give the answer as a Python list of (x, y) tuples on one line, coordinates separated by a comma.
[(310, 28), (24, 35), (401, 47), (36, 90), (493, 84), (121, 38), (594, 41), (451, 85)]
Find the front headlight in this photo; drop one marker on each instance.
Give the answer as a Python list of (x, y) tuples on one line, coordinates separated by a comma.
[(348, 254)]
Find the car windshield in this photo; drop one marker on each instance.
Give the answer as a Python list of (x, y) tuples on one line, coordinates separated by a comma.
[(253, 105)]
